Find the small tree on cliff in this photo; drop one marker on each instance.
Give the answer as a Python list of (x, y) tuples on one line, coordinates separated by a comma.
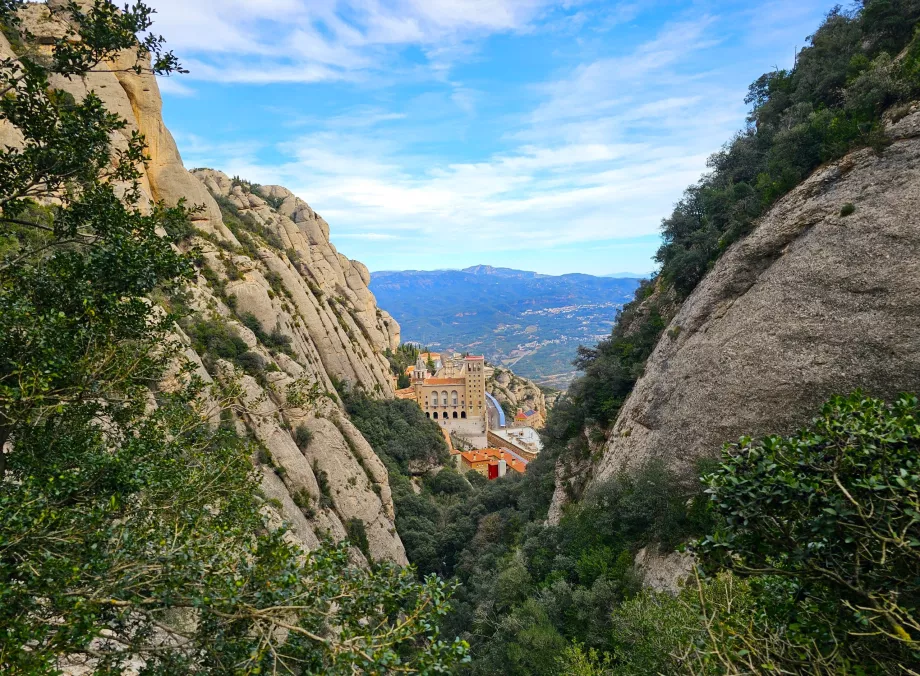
[(128, 530)]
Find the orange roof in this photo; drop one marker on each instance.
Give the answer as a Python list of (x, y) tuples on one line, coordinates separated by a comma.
[(445, 381), (492, 456), (472, 358), (408, 393), (410, 369)]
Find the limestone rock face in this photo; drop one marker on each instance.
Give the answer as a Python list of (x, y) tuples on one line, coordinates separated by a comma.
[(309, 320), (516, 391), (811, 304)]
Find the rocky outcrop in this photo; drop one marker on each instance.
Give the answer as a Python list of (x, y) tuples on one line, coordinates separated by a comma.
[(516, 392), (816, 301), (270, 275), (663, 571)]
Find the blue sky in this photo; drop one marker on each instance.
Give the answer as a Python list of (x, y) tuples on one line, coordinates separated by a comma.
[(541, 135)]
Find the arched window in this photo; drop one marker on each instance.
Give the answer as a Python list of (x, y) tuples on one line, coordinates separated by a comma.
[(455, 415), (434, 398), (444, 398), (428, 414), (462, 415), (454, 398), (435, 415)]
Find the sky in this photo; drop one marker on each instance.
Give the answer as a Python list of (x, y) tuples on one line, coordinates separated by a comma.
[(534, 134)]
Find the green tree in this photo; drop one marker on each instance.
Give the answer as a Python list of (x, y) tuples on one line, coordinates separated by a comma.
[(131, 528)]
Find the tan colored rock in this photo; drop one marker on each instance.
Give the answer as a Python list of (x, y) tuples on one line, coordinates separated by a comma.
[(663, 571), (810, 305), (519, 393), (298, 286)]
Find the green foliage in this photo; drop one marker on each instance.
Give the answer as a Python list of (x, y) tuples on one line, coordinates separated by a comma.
[(847, 209), (404, 357), (276, 340), (448, 482), (123, 511), (610, 370), (215, 339), (827, 524), (831, 102), (357, 535), (527, 587), (302, 437), (322, 480), (398, 431)]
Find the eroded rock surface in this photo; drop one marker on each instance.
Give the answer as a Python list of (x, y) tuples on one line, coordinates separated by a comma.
[(811, 304), (517, 392), (316, 322)]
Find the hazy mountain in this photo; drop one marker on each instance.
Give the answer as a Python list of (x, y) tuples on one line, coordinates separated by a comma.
[(629, 275), (528, 320)]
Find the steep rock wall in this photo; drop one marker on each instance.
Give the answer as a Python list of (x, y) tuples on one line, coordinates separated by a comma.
[(811, 304), (303, 293)]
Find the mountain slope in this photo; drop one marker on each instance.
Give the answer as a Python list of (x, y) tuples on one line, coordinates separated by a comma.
[(813, 303), (275, 306), (527, 320)]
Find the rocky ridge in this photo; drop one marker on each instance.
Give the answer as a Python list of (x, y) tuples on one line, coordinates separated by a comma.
[(821, 299), (312, 301)]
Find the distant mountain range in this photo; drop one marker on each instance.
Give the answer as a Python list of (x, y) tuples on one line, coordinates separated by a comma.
[(525, 320)]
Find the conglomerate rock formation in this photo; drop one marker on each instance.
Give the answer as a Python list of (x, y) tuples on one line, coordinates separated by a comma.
[(515, 391), (821, 299), (320, 474)]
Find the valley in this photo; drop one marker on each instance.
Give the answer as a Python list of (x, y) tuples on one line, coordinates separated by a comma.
[(527, 321)]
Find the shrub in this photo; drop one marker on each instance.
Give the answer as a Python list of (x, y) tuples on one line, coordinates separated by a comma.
[(357, 535), (827, 522), (302, 437), (322, 480), (448, 482), (847, 209), (252, 363)]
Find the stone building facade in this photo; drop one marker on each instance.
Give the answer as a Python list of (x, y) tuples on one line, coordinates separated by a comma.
[(453, 393)]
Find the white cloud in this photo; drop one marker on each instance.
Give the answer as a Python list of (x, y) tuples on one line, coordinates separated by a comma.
[(601, 153), (173, 87), (260, 41), (590, 162)]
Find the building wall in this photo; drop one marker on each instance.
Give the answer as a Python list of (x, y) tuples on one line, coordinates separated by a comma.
[(501, 442)]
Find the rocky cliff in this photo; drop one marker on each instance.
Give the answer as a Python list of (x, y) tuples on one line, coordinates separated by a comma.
[(514, 392), (270, 277), (822, 298)]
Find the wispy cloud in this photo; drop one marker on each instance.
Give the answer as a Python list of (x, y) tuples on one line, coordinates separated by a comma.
[(260, 41), (575, 170)]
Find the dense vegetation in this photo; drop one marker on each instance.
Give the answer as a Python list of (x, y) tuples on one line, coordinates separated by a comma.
[(809, 545), (858, 65), (401, 359), (131, 528)]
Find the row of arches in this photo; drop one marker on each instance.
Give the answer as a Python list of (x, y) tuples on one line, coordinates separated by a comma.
[(445, 415), (454, 398)]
